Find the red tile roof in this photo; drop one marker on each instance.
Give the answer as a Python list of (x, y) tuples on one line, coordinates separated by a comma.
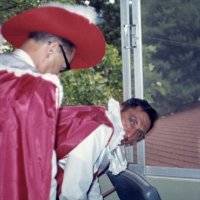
[(175, 141)]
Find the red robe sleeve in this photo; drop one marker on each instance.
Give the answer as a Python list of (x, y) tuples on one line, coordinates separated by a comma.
[(75, 123), (27, 134)]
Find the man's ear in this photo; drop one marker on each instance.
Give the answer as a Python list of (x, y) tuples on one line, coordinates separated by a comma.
[(52, 47)]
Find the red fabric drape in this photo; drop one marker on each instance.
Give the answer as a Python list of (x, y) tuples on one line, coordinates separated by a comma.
[(74, 125), (27, 134)]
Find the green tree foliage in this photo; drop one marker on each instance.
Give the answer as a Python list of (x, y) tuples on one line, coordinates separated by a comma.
[(95, 85), (171, 47)]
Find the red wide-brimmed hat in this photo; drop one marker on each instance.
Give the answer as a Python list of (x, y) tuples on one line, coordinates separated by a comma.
[(85, 35)]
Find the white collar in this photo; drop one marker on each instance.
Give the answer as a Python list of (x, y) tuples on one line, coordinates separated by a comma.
[(22, 55), (114, 115), (116, 153)]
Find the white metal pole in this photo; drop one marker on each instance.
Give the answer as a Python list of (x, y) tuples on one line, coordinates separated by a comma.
[(125, 47), (138, 65), (126, 59), (138, 73)]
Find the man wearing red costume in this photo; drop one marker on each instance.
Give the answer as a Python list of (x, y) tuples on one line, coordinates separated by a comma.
[(46, 40), (89, 138)]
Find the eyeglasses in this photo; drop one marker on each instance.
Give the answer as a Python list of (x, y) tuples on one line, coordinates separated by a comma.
[(66, 61)]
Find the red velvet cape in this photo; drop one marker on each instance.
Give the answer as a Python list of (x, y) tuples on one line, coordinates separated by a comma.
[(27, 134), (74, 125)]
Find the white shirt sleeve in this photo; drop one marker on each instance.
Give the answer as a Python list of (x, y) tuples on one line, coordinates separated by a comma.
[(95, 192), (82, 163)]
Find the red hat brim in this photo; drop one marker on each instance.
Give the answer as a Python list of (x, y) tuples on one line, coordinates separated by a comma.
[(86, 36)]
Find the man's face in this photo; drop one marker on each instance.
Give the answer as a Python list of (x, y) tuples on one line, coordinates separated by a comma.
[(136, 124)]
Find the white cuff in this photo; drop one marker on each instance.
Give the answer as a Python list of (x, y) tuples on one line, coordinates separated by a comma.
[(118, 162)]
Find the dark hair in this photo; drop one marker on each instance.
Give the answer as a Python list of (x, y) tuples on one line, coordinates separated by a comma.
[(146, 107), (42, 36)]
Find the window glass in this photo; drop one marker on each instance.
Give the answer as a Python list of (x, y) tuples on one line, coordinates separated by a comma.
[(171, 61)]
